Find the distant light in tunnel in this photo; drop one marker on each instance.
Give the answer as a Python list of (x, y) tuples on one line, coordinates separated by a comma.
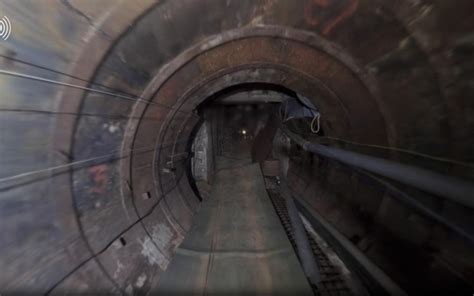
[(243, 132)]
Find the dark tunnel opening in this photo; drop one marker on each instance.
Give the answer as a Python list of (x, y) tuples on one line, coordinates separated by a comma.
[(238, 116), (236, 147)]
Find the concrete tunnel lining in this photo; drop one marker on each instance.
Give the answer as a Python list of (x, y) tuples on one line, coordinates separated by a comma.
[(223, 81), (101, 207), (217, 83)]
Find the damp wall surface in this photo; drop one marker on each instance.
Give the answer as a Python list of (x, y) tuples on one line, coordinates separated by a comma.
[(97, 113)]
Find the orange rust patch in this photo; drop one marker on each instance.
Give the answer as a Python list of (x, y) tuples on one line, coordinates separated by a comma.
[(99, 177), (315, 11)]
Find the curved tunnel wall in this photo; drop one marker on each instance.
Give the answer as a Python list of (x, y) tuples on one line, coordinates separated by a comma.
[(113, 119)]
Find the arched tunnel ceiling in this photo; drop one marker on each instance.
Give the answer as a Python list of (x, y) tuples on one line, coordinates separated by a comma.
[(104, 93)]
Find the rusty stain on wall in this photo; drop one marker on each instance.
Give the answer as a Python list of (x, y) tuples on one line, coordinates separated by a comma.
[(99, 177), (314, 13)]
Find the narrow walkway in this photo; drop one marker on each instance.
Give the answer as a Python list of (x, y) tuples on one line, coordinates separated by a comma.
[(238, 245)]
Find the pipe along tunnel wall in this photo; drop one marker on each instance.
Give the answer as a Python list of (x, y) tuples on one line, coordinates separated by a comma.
[(98, 112)]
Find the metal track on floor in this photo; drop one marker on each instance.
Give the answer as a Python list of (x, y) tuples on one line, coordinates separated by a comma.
[(332, 281)]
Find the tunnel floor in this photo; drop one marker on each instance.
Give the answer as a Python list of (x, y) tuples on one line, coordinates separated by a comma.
[(238, 244)]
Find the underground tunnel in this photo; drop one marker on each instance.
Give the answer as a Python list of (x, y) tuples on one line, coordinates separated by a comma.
[(273, 147)]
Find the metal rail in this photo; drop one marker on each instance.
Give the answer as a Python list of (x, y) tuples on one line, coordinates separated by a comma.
[(456, 190), (332, 280), (373, 277), (308, 261)]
